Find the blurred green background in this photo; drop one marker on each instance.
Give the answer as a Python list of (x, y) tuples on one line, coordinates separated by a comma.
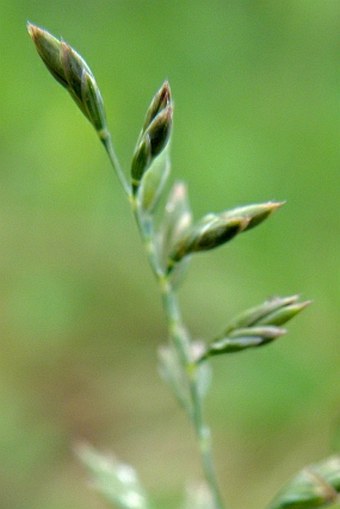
[(257, 116)]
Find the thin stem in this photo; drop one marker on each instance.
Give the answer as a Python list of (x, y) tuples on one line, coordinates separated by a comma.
[(201, 429), (204, 442), (146, 230), (175, 326), (178, 337), (105, 138)]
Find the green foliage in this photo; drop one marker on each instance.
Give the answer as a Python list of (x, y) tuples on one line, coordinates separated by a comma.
[(181, 361), (256, 94)]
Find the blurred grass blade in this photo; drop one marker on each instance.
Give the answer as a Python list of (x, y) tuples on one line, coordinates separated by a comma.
[(117, 482), (314, 487)]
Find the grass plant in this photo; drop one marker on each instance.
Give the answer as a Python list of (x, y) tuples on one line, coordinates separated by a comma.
[(171, 236)]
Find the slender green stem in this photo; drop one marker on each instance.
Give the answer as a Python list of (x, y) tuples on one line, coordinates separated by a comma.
[(105, 138), (177, 332), (176, 327), (146, 230), (179, 338), (201, 429), (204, 442)]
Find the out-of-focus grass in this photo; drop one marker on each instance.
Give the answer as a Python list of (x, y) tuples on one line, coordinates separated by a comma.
[(256, 89)]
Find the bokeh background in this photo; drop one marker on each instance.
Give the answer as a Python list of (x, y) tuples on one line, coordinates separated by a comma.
[(257, 116)]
